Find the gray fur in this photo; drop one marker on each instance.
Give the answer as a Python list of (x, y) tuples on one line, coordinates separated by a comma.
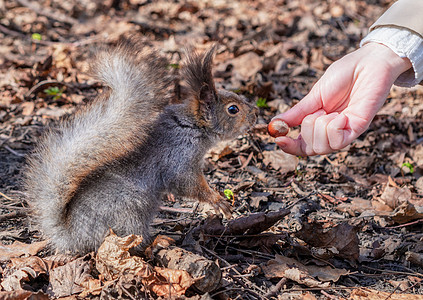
[(111, 164)]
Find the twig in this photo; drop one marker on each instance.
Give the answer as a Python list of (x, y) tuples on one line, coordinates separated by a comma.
[(394, 272), (12, 215), (44, 82), (410, 287), (13, 151), (7, 197), (276, 288), (13, 207), (48, 12), (245, 164), (126, 291), (329, 296), (8, 31), (235, 270), (252, 253), (20, 35), (236, 289), (265, 234), (162, 222), (406, 224), (329, 288), (395, 289), (177, 210)]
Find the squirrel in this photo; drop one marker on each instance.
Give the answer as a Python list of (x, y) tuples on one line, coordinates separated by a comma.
[(110, 164)]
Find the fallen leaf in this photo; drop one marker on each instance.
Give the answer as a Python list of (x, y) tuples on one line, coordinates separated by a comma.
[(33, 265), (57, 260), (290, 268), (326, 273), (264, 242), (71, 278), (402, 285), (26, 270), (23, 295), (251, 224), (258, 197), (167, 282), (246, 65), (204, 272), (18, 249), (393, 196), (407, 212), (114, 260), (27, 108), (255, 223), (414, 258), (355, 207), (369, 294), (280, 160), (343, 237), (14, 281)]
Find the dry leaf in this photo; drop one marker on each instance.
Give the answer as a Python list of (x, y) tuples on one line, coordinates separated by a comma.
[(222, 149), (114, 259), (33, 265), (57, 260), (280, 160), (14, 281), (290, 268), (326, 273), (407, 212), (26, 270), (27, 108), (18, 249), (168, 282), (343, 237), (23, 295), (71, 278), (246, 65), (414, 258), (355, 207), (251, 224), (402, 285), (369, 294), (206, 273), (393, 196)]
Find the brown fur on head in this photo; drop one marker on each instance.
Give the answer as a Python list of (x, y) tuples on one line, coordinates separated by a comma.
[(222, 112)]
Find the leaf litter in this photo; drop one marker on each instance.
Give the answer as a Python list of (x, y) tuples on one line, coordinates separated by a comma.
[(348, 224)]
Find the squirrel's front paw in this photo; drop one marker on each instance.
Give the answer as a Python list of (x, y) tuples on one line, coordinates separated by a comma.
[(223, 206)]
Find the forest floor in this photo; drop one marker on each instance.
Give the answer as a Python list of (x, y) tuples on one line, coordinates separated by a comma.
[(342, 226)]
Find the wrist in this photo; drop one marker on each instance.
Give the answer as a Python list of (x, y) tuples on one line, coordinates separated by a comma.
[(396, 64)]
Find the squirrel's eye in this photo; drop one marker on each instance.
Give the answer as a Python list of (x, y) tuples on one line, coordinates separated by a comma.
[(233, 109)]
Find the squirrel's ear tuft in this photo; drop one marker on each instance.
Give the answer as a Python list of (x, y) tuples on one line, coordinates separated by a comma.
[(197, 71)]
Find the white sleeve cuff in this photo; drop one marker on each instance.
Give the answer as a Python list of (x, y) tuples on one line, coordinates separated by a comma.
[(405, 44)]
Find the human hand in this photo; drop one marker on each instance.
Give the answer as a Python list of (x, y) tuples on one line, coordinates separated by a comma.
[(341, 105)]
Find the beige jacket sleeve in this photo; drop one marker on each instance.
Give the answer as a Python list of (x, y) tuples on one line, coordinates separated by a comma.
[(403, 13)]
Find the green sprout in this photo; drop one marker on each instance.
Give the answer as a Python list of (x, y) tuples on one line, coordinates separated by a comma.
[(36, 36), (174, 66), (229, 194), (409, 166), (54, 91), (262, 103)]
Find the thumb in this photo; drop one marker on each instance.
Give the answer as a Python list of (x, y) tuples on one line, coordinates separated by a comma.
[(307, 106)]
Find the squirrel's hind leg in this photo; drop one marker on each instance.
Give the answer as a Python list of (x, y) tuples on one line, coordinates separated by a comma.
[(110, 202)]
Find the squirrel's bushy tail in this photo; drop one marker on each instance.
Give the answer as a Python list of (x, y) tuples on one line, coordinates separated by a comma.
[(107, 129)]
